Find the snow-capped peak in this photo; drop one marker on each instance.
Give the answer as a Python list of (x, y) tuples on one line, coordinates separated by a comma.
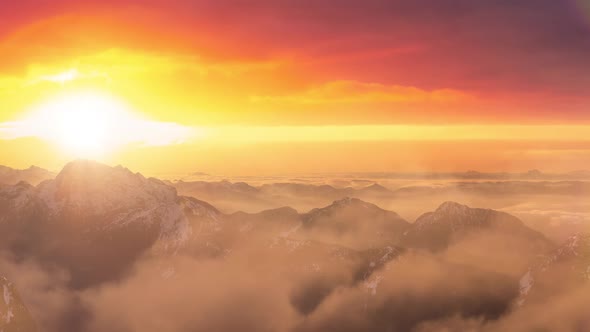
[(91, 188), (351, 201), (97, 197)]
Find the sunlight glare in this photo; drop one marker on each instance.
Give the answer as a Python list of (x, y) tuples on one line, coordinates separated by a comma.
[(85, 124)]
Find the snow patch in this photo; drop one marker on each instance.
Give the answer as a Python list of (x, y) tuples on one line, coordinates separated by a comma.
[(526, 283), (7, 295), (9, 316), (373, 283)]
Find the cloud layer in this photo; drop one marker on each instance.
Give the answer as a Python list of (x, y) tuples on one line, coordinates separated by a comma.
[(524, 60)]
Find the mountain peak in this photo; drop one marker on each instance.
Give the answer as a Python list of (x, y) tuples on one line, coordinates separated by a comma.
[(85, 185), (88, 172), (377, 188), (354, 223), (347, 201), (284, 210), (451, 221), (33, 175), (85, 165), (452, 207), (534, 173), (35, 168)]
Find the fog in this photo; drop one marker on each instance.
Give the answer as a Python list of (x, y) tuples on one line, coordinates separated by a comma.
[(555, 206), (416, 292)]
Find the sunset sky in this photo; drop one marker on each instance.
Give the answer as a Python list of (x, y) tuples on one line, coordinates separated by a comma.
[(291, 86)]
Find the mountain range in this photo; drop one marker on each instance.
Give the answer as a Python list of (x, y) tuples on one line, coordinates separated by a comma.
[(96, 221), (32, 175)]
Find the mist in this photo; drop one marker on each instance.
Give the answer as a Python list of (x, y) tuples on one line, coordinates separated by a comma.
[(83, 259)]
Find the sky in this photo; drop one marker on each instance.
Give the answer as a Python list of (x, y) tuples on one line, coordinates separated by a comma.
[(288, 86)]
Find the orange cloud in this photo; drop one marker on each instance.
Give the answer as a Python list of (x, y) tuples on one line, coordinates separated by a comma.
[(205, 63)]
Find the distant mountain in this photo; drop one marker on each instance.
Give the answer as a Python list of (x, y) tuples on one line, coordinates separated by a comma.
[(348, 222), (498, 188), (298, 191), (453, 221), (221, 188), (33, 175), (232, 197), (14, 315), (354, 223), (226, 195), (474, 175), (374, 190), (276, 222), (579, 174), (327, 191), (240, 196)]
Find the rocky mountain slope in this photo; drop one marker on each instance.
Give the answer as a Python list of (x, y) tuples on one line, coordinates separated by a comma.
[(14, 316), (354, 223), (97, 219), (452, 221), (566, 266)]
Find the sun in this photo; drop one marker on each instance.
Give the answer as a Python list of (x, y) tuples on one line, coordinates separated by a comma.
[(83, 124), (93, 125), (81, 127)]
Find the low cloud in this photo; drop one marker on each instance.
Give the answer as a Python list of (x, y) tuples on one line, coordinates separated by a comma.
[(336, 92)]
